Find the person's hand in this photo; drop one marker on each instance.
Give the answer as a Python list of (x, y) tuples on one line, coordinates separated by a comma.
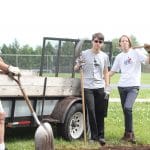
[(14, 70), (79, 64), (147, 47), (107, 89), (107, 92)]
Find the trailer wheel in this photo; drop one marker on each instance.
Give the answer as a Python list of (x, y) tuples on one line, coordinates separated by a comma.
[(73, 126)]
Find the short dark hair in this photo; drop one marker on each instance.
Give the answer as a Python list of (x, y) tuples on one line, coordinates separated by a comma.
[(98, 35)]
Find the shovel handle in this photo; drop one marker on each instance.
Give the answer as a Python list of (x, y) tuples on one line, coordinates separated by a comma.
[(83, 104), (26, 99), (135, 47)]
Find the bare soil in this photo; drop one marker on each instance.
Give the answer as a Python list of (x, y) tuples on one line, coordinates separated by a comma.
[(126, 148), (114, 148)]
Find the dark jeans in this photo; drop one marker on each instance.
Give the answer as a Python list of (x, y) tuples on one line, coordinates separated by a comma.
[(128, 96), (94, 100)]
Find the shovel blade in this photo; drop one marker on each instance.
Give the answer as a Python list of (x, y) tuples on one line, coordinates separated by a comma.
[(44, 139)]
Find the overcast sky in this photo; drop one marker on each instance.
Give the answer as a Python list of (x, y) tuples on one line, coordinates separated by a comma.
[(29, 21)]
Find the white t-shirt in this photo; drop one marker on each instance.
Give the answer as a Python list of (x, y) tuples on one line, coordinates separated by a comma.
[(130, 66)]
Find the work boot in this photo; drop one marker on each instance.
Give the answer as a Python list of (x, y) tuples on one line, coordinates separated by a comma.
[(129, 137), (102, 141)]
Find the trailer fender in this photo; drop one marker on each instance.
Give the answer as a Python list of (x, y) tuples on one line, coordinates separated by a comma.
[(63, 106)]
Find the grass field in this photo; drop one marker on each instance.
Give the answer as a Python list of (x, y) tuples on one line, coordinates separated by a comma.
[(23, 139)]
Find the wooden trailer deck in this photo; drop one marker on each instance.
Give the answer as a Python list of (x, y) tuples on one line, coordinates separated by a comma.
[(34, 86)]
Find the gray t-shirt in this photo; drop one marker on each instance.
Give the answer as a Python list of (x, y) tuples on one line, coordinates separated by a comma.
[(93, 68)]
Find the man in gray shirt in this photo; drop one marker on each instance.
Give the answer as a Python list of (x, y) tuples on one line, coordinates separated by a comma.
[(96, 79)]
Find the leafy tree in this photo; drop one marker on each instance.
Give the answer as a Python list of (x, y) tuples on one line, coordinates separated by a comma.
[(49, 49), (134, 40), (26, 49), (5, 49), (14, 47), (38, 50), (67, 48)]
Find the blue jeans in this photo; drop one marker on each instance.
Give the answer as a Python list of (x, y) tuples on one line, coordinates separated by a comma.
[(95, 104), (128, 96)]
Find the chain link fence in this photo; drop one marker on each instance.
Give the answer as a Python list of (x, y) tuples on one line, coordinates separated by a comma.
[(33, 62)]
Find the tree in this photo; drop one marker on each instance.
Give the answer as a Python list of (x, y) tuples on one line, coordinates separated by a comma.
[(14, 47), (5, 49)]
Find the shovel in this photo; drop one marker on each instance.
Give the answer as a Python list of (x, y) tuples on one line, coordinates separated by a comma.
[(78, 49), (44, 139)]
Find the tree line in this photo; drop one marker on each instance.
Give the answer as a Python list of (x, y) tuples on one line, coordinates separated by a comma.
[(67, 49)]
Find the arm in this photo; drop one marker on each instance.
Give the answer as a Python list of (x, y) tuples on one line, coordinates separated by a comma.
[(106, 76), (111, 73), (147, 48), (76, 67), (148, 59), (8, 68), (3, 66), (79, 63)]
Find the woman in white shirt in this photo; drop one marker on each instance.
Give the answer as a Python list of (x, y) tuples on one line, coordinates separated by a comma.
[(128, 62)]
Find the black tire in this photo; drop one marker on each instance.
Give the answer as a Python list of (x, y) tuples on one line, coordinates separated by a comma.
[(72, 128)]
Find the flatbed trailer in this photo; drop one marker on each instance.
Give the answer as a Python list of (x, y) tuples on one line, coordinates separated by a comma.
[(61, 102), (55, 99)]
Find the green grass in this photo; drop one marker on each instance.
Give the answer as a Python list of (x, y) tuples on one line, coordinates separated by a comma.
[(114, 123), (145, 78), (24, 139)]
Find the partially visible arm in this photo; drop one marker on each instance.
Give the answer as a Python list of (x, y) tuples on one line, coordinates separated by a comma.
[(77, 67), (106, 76), (79, 63), (148, 60), (147, 48), (3, 66), (111, 73)]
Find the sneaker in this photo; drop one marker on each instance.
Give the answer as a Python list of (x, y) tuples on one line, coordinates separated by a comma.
[(102, 141)]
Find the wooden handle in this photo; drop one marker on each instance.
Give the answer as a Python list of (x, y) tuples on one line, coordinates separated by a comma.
[(135, 47), (83, 104), (28, 102)]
